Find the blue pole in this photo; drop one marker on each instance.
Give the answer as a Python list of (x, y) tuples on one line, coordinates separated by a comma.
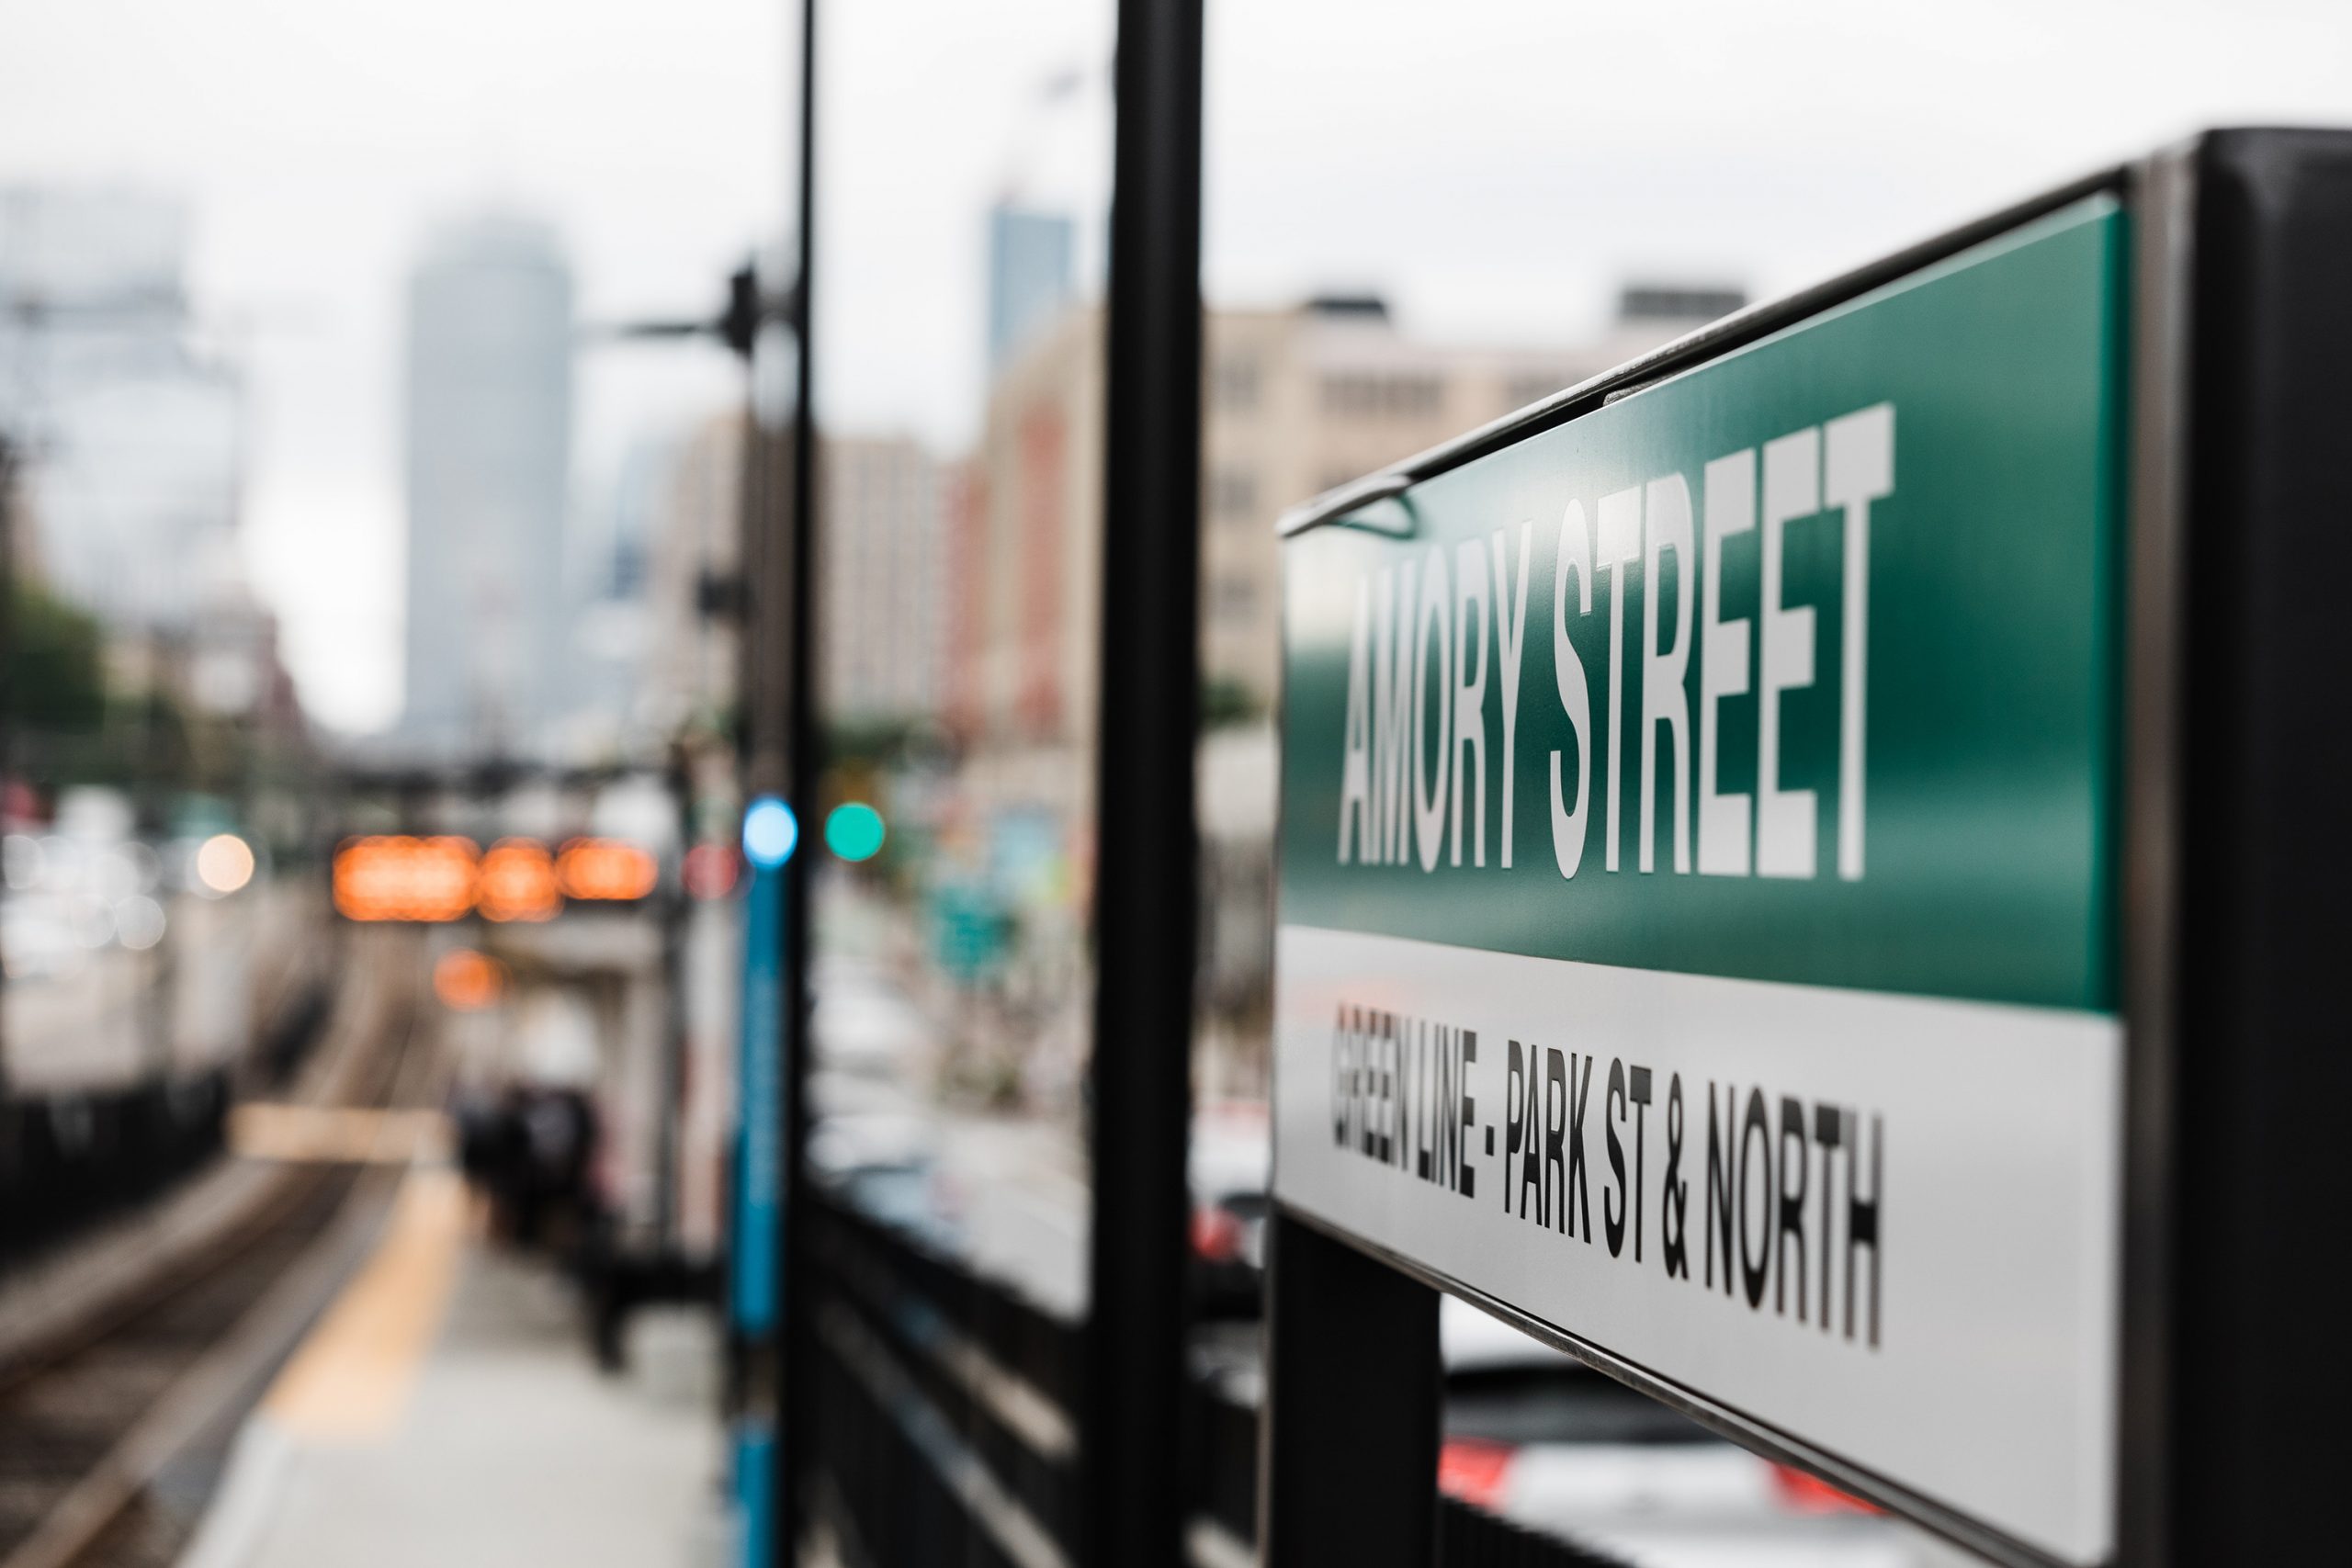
[(758, 1179), (770, 834), (755, 1491)]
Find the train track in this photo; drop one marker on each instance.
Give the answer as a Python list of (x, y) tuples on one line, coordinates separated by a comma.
[(88, 1427)]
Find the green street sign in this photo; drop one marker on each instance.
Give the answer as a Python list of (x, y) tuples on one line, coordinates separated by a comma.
[(1699, 851), (1799, 666)]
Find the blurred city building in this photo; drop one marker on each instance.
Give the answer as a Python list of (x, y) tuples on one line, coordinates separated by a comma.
[(141, 658), (489, 443), (607, 609), (1026, 576), (1024, 559), (1299, 401), (673, 569), (232, 667), (687, 677), (128, 432), (881, 579)]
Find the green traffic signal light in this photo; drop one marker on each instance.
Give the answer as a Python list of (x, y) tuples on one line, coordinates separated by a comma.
[(854, 831)]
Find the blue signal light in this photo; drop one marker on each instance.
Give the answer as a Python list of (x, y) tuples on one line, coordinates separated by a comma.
[(770, 833)]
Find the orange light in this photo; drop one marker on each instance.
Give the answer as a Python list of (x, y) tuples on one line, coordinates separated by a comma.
[(394, 877), (467, 981), (516, 881), (605, 870)]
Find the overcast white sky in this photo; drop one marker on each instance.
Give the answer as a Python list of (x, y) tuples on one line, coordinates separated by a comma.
[(1495, 166)]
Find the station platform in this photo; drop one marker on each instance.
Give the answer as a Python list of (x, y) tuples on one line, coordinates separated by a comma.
[(445, 1409)]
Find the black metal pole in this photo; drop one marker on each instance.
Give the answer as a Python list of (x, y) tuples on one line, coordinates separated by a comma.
[(2257, 1357), (9, 697), (750, 1367), (1347, 1429), (1146, 904), (803, 765), (676, 906)]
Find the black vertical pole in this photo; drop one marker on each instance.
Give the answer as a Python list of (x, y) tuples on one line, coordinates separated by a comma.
[(1145, 901), (1349, 1427), (676, 906), (9, 700), (802, 765), (2257, 1358), (749, 1399), (2163, 198)]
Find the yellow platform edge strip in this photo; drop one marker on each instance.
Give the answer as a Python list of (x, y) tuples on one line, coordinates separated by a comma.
[(351, 1379)]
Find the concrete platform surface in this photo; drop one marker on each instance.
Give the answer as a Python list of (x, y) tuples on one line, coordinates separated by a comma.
[(445, 1411)]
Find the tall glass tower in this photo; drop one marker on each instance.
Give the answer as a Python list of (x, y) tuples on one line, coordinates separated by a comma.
[(1029, 277), (488, 444)]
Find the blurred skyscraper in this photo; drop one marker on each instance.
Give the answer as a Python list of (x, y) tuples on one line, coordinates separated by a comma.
[(1029, 277), (489, 431)]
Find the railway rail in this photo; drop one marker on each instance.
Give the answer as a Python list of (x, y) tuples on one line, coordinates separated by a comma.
[(164, 1360)]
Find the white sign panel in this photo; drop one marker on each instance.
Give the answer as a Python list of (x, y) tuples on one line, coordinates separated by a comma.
[(1882, 1225)]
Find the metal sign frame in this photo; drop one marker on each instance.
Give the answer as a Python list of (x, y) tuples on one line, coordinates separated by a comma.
[(2240, 330)]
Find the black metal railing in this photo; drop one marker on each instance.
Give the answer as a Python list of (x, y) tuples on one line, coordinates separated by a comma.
[(1469, 1537), (943, 1426), (942, 1429), (1224, 1501), (69, 1161), (1222, 1455)]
